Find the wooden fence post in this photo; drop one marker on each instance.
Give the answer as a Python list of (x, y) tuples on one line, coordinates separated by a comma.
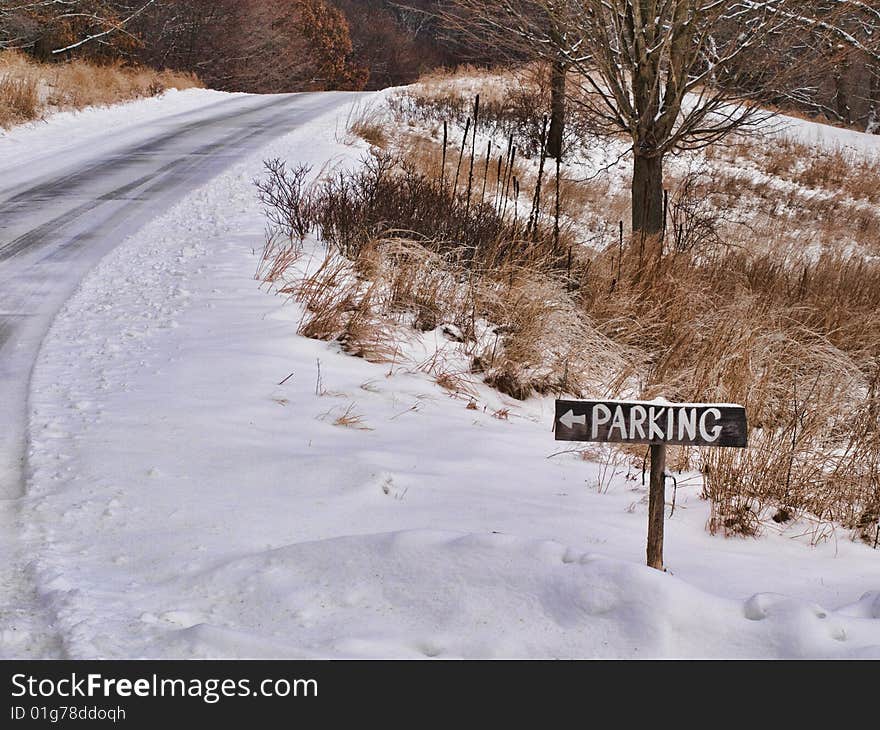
[(657, 506)]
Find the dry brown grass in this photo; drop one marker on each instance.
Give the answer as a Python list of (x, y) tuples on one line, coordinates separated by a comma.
[(19, 90), (765, 291), (28, 89), (780, 337), (840, 172), (422, 275), (368, 123), (19, 100), (466, 79), (80, 84), (351, 419)]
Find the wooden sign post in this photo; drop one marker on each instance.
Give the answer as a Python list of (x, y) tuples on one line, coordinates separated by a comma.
[(658, 424)]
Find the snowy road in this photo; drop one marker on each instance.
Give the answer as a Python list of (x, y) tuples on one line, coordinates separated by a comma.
[(65, 202), (62, 213)]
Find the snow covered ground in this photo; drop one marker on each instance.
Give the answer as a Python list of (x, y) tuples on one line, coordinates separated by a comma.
[(182, 502), (824, 135)]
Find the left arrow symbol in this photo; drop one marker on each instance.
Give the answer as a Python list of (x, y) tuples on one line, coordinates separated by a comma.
[(569, 420)]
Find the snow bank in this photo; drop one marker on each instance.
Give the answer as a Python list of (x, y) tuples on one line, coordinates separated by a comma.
[(437, 594)]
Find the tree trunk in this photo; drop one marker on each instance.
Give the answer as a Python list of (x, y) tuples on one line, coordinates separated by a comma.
[(557, 111), (841, 96), (873, 125), (647, 195), (43, 48)]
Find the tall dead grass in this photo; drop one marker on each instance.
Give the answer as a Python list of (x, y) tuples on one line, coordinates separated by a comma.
[(19, 100), (765, 290), (19, 90), (29, 89), (778, 337)]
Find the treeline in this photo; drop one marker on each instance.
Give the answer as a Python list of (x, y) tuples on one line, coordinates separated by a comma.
[(830, 61), (819, 57), (239, 45), (291, 45), (261, 46), (824, 63)]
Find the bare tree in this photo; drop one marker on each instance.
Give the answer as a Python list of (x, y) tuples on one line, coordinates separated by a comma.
[(670, 75), (663, 72), (850, 33), (241, 45), (836, 46), (825, 61), (394, 42), (53, 27)]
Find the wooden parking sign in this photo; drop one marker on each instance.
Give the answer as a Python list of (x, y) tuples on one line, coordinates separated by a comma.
[(658, 424)]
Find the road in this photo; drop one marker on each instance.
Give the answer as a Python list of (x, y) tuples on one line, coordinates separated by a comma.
[(56, 223)]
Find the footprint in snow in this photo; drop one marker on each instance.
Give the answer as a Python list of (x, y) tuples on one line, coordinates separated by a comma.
[(763, 605), (806, 621)]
